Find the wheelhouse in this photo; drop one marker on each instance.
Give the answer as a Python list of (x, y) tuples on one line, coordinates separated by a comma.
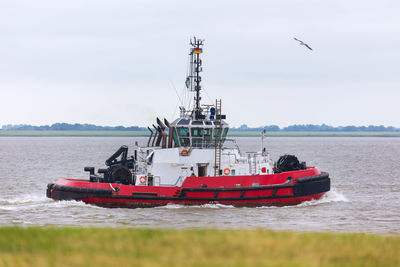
[(198, 133)]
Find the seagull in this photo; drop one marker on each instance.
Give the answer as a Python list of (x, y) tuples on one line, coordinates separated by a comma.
[(303, 43)]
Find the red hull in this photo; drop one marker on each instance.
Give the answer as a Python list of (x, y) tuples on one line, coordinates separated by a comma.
[(286, 188)]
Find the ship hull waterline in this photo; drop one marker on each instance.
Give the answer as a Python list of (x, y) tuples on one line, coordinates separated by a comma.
[(289, 188)]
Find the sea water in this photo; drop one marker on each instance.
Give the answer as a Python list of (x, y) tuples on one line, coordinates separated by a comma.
[(364, 196)]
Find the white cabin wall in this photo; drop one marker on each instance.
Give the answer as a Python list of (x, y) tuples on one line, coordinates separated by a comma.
[(166, 165), (171, 166)]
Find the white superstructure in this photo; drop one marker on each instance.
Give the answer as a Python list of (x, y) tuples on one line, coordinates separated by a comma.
[(195, 144)]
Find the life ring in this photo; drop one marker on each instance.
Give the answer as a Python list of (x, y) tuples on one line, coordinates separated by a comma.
[(227, 171), (184, 152), (142, 179)]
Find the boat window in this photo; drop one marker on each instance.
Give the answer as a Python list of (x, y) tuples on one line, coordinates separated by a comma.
[(183, 122), (225, 132), (175, 121), (175, 137), (207, 136), (216, 132), (197, 132), (184, 142), (197, 142), (197, 123), (208, 122), (183, 131), (207, 132)]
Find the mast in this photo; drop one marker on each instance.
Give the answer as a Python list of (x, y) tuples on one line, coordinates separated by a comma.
[(194, 78)]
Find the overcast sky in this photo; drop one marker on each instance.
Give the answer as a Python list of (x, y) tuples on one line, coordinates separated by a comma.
[(117, 62)]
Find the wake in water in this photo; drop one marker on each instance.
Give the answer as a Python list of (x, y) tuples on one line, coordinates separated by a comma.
[(24, 199), (25, 202), (331, 196), (204, 206), (31, 201), (22, 202)]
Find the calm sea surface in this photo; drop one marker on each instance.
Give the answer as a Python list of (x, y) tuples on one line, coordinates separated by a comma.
[(365, 195)]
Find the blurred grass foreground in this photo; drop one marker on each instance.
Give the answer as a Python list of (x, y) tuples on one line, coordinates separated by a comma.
[(34, 246)]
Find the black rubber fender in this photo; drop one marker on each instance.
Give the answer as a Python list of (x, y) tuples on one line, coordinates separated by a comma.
[(322, 176), (49, 189), (84, 190)]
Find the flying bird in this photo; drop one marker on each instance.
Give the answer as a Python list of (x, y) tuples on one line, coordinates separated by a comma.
[(303, 43)]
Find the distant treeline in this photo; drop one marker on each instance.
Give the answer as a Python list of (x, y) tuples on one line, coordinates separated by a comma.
[(70, 127), (244, 127), (319, 128)]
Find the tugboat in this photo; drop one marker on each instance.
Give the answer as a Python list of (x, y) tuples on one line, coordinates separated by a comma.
[(190, 161)]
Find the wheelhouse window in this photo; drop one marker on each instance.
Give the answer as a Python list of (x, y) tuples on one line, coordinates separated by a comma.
[(224, 133), (184, 142), (207, 136), (183, 131), (216, 132), (197, 142), (197, 132), (175, 137), (183, 122), (197, 136)]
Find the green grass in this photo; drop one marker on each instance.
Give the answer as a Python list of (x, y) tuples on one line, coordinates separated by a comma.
[(191, 247), (230, 134)]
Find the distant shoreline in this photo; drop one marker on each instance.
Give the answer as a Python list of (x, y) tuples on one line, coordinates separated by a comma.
[(61, 133)]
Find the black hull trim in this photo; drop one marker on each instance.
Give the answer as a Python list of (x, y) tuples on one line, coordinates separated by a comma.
[(305, 186)]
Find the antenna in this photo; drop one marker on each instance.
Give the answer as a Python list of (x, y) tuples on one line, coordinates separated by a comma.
[(262, 141), (193, 80)]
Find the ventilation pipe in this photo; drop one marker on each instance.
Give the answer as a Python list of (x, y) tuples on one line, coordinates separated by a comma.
[(155, 136), (170, 132), (151, 135), (163, 134), (159, 137)]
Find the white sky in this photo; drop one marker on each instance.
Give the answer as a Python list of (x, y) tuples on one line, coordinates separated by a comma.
[(113, 62)]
